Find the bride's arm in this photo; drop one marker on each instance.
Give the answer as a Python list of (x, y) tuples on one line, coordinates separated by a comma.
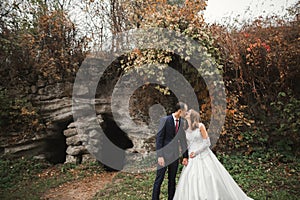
[(206, 141), (203, 131)]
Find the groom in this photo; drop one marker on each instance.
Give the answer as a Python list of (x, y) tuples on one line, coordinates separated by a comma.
[(169, 137)]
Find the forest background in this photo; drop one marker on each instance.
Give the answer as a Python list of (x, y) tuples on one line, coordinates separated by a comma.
[(259, 60)]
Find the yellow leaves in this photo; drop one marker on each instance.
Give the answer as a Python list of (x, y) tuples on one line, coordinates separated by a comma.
[(161, 13), (25, 111), (187, 58), (137, 51), (203, 107), (240, 137), (231, 112), (224, 132), (35, 122), (45, 74), (168, 59), (249, 122), (164, 91), (249, 150)]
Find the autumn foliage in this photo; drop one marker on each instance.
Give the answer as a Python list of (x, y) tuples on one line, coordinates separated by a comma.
[(259, 62), (40, 44), (261, 71)]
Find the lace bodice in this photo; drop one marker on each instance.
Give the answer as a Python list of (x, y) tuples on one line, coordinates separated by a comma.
[(196, 143)]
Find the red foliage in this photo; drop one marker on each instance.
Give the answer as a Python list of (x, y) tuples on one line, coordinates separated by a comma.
[(260, 61)]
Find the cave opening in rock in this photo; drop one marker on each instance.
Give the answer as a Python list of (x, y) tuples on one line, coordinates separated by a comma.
[(118, 137), (55, 145)]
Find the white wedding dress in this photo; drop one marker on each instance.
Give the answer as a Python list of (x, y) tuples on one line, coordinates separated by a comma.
[(205, 178)]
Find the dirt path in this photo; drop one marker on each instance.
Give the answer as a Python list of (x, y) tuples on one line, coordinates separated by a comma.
[(83, 189)]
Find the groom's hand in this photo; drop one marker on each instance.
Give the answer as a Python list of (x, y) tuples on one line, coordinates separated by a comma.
[(185, 161), (161, 161)]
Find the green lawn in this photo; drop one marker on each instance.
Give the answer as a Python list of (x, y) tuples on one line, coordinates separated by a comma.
[(261, 176)]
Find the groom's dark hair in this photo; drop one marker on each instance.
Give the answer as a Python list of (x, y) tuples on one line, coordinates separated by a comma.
[(179, 106)]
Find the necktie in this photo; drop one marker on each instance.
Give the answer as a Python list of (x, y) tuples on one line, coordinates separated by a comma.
[(176, 126)]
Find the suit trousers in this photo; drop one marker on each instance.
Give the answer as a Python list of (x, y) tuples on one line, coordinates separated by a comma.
[(160, 174)]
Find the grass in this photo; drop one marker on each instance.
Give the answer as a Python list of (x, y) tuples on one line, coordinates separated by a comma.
[(261, 175), (27, 178)]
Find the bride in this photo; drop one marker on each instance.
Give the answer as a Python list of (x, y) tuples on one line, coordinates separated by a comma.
[(204, 178)]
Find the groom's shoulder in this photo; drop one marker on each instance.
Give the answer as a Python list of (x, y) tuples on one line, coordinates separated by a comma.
[(169, 117), (165, 118)]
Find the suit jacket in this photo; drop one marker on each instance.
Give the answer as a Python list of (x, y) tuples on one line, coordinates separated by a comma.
[(168, 141)]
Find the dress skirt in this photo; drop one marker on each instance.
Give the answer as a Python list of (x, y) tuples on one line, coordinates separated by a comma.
[(205, 178)]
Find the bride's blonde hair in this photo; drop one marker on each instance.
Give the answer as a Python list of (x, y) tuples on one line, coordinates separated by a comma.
[(195, 119)]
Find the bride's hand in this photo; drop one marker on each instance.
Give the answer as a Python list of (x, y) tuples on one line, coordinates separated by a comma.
[(192, 155)]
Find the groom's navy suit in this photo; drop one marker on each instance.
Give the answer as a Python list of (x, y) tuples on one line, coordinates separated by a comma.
[(167, 146)]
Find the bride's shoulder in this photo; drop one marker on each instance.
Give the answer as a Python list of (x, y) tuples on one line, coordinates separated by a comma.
[(201, 125), (188, 130)]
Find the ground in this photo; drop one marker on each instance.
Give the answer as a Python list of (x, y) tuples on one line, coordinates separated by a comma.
[(85, 188)]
